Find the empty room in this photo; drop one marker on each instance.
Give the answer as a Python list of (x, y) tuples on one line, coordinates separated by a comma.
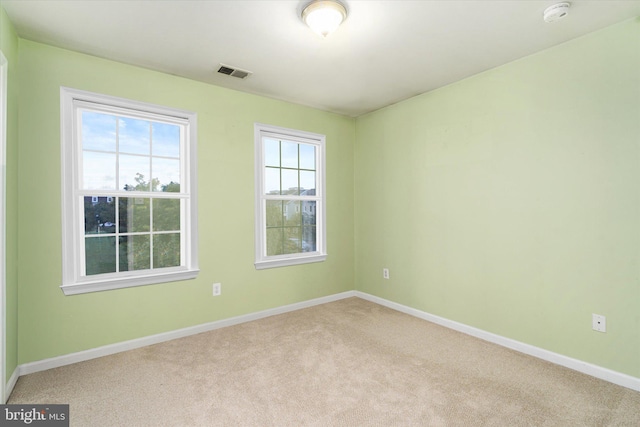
[(320, 213)]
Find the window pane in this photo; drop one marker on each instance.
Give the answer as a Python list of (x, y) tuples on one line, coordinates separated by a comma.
[(98, 131), (292, 215), (289, 154), (307, 156), (98, 171), (135, 253), (272, 181), (99, 215), (134, 214), (133, 136), (292, 242), (166, 215), (134, 173), (307, 183), (166, 250), (274, 213), (308, 213), (308, 239), (271, 152), (309, 229), (100, 255), (274, 241), (290, 181), (166, 140), (166, 175)]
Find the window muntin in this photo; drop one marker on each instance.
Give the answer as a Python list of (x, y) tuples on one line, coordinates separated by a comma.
[(289, 197), (129, 193)]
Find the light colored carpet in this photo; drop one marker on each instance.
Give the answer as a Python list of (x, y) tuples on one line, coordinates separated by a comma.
[(346, 363)]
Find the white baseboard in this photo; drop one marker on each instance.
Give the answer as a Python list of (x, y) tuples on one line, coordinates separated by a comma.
[(68, 359), (568, 362), (614, 377), (11, 383)]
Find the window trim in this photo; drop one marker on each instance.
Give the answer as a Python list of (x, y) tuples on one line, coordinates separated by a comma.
[(72, 230), (263, 261)]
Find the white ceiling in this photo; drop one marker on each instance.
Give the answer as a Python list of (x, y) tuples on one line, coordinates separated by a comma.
[(385, 51)]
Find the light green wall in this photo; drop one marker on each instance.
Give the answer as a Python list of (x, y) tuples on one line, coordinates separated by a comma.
[(51, 324), (9, 47), (510, 201)]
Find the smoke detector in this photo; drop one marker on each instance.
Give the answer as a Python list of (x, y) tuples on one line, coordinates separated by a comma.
[(556, 12)]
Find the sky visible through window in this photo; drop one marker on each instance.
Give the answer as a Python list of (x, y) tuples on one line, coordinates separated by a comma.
[(138, 148), (289, 167)]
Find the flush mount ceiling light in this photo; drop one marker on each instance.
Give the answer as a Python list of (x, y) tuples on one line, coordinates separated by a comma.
[(556, 12), (324, 16)]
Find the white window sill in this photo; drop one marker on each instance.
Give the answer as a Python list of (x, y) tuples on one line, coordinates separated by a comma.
[(87, 286), (284, 262)]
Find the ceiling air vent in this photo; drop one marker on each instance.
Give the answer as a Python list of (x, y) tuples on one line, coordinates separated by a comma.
[(233, 71)]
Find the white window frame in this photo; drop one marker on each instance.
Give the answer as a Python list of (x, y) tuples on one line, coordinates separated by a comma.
[(73, 280), (262, 261)]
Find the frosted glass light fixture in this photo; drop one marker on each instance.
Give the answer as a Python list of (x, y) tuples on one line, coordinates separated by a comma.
[(324, 16)]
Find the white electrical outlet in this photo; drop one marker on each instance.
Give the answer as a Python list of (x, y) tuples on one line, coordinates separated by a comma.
[(599, 322), (385, 273), (217, 289)]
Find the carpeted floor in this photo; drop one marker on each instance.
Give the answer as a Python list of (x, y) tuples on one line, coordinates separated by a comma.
[(346, 363)]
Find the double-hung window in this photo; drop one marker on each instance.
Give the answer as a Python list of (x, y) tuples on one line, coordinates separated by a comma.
[(129, 193), (290, 199)]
